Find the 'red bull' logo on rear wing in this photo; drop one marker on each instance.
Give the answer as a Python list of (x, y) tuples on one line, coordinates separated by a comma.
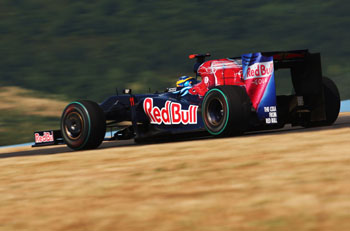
[(171, 113), (258, 74)]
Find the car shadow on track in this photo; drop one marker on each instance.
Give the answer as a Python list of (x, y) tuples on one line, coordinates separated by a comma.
[(61, 149), (342, 122)]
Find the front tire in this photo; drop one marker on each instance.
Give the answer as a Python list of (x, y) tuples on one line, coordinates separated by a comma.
[(83, 125), (226, 110)]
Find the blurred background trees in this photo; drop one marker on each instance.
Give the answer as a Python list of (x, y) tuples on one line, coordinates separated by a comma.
[(86, 49)]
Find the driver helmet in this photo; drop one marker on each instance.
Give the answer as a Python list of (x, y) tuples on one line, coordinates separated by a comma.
[(186, 81)]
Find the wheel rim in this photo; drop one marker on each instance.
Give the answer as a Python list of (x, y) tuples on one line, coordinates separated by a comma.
[(215, 112), (73, 125)]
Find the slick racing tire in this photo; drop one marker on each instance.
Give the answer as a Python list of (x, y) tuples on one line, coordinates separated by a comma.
[(332, 104), (83, 125), (332, 100), (226, 110)]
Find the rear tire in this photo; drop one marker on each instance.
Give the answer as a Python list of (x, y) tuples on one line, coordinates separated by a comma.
[(332, 104), (332, 101), (226, 110), (83, 125)]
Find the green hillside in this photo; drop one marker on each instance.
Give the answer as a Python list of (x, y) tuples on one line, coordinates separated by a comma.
[(85, 49)]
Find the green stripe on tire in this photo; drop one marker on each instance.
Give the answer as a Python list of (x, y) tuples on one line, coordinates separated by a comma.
[(228, 112)]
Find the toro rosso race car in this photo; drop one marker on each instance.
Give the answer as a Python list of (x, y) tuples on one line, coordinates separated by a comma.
[(228, 97)]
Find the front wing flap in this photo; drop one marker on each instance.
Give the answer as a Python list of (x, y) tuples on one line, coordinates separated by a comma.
[(44, 138)]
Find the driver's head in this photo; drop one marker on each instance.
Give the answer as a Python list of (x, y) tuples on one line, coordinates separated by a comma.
[(186, 81)]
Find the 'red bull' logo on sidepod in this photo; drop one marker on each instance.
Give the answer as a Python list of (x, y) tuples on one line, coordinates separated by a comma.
[(171, 113)]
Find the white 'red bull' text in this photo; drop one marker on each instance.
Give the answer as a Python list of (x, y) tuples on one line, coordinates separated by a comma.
[(171, 113), (260, 70)]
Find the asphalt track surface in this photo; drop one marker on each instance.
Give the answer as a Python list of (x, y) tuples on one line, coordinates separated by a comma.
[(343, 121)]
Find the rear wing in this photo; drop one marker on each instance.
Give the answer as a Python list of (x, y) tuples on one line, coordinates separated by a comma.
[(306, 74)]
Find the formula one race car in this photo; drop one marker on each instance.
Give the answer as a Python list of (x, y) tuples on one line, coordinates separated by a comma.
[(235, 95)]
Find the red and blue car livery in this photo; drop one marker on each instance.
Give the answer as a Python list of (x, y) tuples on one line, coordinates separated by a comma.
[(231, 96)]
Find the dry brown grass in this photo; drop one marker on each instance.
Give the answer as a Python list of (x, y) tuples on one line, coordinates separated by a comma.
[(15, 98), (298, 180)]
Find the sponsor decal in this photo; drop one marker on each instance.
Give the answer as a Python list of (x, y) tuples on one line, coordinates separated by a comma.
[(257, 71), (171, 113), (258, 74), (46, 137), (272, 115), (260, 70)]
